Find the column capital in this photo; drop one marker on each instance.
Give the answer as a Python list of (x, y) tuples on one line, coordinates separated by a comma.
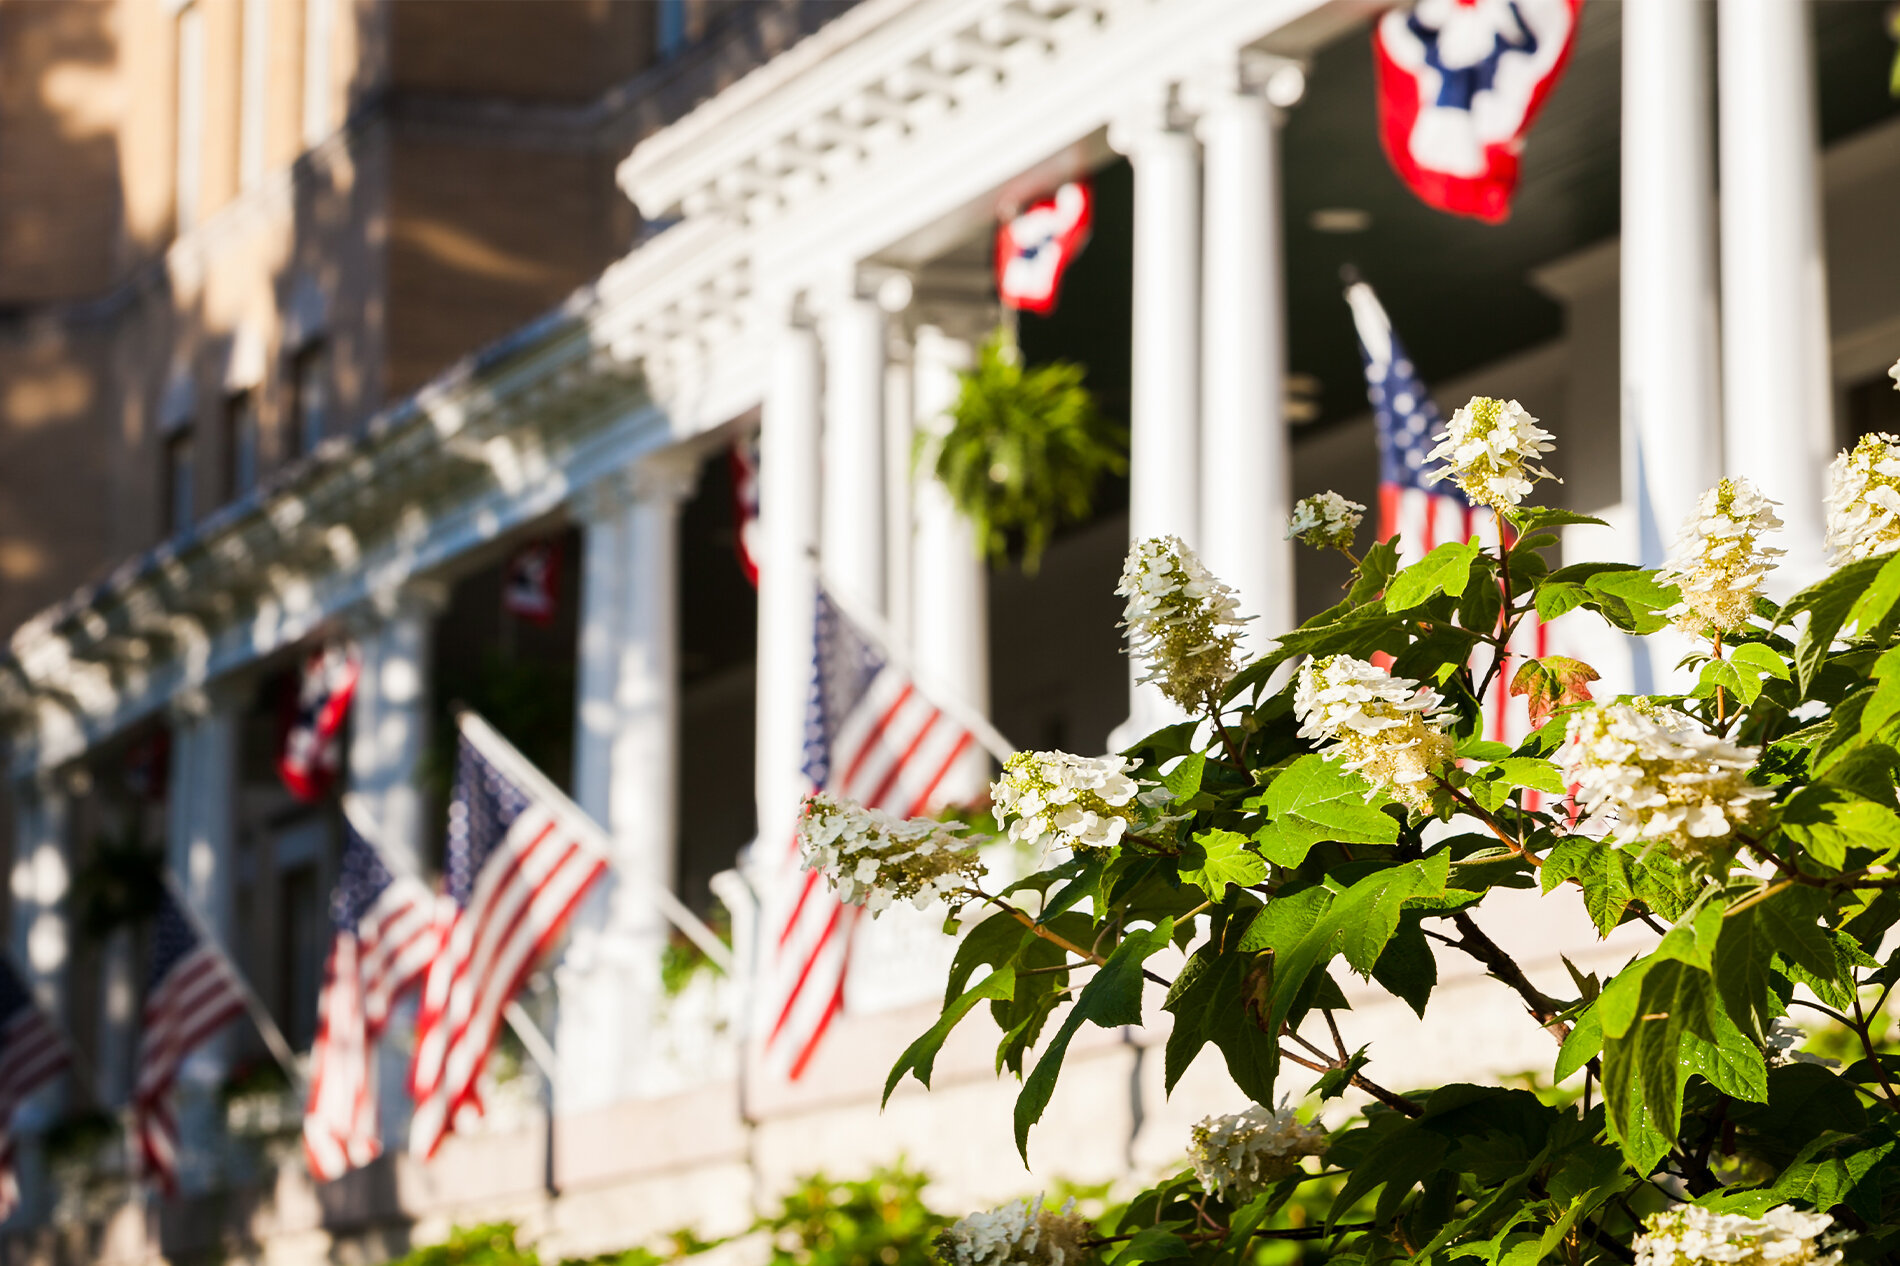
[(669, 475), (1250, 75), (1157, 114), (419, 596)]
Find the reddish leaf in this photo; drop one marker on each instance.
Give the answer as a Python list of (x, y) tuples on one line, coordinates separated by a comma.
[(1553, 682)]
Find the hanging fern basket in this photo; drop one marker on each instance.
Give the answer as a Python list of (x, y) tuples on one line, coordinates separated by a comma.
[(1024, 452)]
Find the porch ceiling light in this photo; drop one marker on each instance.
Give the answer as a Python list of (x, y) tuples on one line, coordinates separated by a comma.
[(1340, 220)]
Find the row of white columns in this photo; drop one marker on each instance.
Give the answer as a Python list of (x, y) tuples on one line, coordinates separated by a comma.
[(1766, 413), (1209, 452)]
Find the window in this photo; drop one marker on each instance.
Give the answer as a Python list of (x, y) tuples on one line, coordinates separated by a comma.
[(190, 119), (178, 481), (240, 444), (309, 396), (319, 17), (253, 96), (670, 21)]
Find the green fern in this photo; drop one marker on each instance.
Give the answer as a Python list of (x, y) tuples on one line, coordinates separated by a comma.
[(1025, 451)]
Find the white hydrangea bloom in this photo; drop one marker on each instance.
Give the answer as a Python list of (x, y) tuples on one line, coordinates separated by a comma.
[(1239, 1155), (1783, 1236), (1388, 728), (1077, 802), (1720, 562), (873, 859), (1326, 520), (1021, 1233), (1183, 624), (1492, 447), (1863, 499), (1661, 776), (1894, 373)]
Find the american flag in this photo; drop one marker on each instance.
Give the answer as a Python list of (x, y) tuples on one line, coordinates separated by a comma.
[(1424, 515), (309, 760), (386, 935), (520, 856), (32, 1053), (190, 993), (870, 735)]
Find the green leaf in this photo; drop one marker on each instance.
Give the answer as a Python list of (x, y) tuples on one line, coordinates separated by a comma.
[(1559, 597), (1584, 1044), (1732, 1063), (1631, 600), (1529, 771), (1158, 1243), (1111, 998), (1529, 518), (1314, 800), (1826, 823), (1645, 1010), (1185, 778), (1763, 659), (1877, 609), (1217, 858), (1334, 1082), (1368, 912), (1376, 569), (1407, 967), (1828, 601), (920, 1057), (1601, 871), (1444, 570)]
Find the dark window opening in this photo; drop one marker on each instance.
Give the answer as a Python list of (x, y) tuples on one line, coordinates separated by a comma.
[(240, 444), (177, 490), (309, 397)]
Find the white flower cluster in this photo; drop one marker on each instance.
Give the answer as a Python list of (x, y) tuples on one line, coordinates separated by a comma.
[(1078, 802), (1493, 446), (1720, 562), (873, 859), (1661, 776), (1021, 1233), (1181, 621), (1326, 520), (1863, 499), (1783, 1236), (1239, 1155), (1388, 728)]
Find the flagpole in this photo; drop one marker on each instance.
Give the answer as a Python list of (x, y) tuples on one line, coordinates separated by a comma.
[(539, 1049), (522, 770), (253, 1005), (958, 710)]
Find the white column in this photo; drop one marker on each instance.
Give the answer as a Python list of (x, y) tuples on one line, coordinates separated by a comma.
[(1165, 358), (1672, 440), (1246, 458), (626, 764), (201, 853), (1776, 380), (950, 631), (389, 715), (853, 532), (39, 934), (788, 509)]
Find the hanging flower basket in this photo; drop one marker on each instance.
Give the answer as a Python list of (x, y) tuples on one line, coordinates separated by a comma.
[(1025, 451)]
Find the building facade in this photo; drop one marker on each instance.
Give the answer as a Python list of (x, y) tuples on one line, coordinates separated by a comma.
[(668, 228)]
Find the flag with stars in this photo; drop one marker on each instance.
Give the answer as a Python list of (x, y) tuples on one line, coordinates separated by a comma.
[(1423, 514), (385, 936), (520, 857), (32, 1054), (190, 993), (871, 736)]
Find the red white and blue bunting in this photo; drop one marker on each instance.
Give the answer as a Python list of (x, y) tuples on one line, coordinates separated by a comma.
[(1035, 248), (1460, 82)]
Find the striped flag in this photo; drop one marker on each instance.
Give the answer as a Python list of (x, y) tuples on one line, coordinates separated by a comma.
[(871, 735), (190, 993), (32, 1053), (520, 856), (1424, 515), (386, 935)]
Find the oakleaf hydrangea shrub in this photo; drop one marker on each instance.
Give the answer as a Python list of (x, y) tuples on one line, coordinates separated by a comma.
[(1335, 808)]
